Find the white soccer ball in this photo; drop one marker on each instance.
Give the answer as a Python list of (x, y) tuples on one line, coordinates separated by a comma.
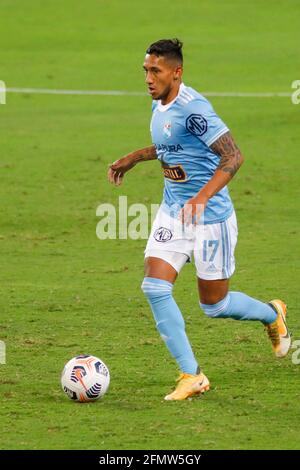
[(85, 378)]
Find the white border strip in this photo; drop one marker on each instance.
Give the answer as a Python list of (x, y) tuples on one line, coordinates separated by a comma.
[(234, 94)]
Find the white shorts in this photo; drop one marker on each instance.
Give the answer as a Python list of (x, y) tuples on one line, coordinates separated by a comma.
[(212, 245)]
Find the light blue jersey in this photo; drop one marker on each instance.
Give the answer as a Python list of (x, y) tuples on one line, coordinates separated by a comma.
[(182, 132)]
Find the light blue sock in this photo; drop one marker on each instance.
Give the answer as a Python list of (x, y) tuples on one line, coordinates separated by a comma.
[(169, 322), (240, 307)]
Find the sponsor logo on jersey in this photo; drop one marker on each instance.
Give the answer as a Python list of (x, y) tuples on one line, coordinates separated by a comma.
[(174, 173), (168, 148), (167, 129), (196, 124), (163, 234)]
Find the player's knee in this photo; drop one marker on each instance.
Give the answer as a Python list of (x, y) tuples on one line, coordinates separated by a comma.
[(156, 289), (218, 310)]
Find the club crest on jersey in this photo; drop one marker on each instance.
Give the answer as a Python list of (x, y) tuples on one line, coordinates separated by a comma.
[(167, 129), (196, 124), (163, 234)]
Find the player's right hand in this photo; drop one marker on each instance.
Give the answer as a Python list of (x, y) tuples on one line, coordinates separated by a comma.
[(114, 177), (117, 170)]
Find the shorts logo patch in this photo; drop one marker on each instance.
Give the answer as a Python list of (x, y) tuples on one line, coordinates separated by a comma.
[(163, 234), (196, 124), (211, 268)]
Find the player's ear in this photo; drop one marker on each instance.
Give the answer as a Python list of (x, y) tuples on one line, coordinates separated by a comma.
[(178, 72)]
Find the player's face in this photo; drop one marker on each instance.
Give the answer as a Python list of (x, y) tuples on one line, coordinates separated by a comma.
[(162, 77)]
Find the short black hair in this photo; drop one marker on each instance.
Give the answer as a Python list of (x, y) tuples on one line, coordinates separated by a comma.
[(170, 48)]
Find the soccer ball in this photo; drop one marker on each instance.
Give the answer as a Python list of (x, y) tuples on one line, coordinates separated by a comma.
[(85, 378)]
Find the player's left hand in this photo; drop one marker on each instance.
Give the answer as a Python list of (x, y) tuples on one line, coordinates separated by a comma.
[(192, 210)]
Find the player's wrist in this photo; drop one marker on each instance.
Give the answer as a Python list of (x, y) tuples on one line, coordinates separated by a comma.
[(202, 198)]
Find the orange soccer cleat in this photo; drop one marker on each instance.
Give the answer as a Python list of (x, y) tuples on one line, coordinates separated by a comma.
[(278, 331), (188, 386)]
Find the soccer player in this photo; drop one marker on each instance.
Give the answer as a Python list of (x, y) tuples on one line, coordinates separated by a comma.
[(199, 157)]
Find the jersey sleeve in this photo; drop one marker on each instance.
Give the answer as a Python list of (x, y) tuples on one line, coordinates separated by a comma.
[(202, 121), (154, 104), (153, 107)]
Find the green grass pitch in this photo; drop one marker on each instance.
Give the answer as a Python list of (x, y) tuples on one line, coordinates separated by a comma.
[(65, 292)]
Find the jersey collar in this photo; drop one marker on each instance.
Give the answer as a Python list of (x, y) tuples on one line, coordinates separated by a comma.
[(164, 107)]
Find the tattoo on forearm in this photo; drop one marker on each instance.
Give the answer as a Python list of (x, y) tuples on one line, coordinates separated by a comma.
[(230, 155), (147, 153)]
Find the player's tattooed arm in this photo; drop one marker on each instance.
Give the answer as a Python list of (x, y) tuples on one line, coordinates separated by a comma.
[(117, 170), (148, 153), (230, 161), (230, 156)]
